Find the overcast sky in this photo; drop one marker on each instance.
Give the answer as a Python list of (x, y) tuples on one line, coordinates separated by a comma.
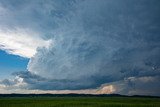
[(80, 46)]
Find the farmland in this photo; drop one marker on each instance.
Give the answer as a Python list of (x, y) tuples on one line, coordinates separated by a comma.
[(79, 102)]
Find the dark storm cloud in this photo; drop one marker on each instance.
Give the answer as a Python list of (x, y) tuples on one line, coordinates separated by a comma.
[(37, 82), (146, 85), (40, 16), (103, 42), (97, 42)]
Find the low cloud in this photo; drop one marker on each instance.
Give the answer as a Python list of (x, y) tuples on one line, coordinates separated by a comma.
[(25, 82), (147, 85)]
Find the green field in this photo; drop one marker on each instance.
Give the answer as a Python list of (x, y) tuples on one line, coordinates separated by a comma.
[(78, 102)]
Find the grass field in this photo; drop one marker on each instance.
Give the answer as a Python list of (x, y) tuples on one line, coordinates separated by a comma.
[(78, 102)]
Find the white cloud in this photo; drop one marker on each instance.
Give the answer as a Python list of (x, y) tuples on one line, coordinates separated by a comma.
[(21, 42)]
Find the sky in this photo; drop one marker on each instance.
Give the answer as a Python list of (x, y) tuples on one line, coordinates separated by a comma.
[(80, 46)]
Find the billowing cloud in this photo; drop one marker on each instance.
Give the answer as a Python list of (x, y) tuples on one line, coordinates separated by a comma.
[(102, 42), (96, 43), (21, 42)]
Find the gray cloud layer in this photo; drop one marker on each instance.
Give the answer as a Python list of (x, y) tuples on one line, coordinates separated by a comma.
[(95, 43)]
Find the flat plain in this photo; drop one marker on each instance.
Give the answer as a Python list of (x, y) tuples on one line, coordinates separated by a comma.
[(79, 102)]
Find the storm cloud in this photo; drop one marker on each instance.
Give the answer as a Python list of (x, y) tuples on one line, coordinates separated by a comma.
[(95, 43)]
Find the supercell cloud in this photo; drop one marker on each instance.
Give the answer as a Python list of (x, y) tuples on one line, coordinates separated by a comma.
[(92, 44)]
